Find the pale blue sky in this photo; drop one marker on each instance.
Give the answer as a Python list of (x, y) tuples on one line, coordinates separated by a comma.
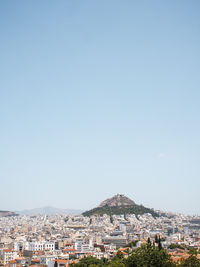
[(98, 98)]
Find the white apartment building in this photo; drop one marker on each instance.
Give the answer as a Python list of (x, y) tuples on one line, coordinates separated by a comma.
[(8, 255), (46, 259), (40, 245), (78, 245), (82, 247)]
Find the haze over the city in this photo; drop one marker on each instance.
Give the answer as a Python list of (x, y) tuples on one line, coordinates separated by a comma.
[(99, 98)]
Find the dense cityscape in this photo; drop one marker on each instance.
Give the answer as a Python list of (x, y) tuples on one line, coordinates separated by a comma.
[(43, 240)]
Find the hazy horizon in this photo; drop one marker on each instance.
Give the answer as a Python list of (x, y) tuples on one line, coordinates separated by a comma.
[(99, 98)]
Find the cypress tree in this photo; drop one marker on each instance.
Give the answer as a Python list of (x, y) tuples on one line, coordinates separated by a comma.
[(149, 241), (159, 243)]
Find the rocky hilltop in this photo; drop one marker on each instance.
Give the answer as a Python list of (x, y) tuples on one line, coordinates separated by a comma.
[(117, 200), (119, 204), (5, 213)]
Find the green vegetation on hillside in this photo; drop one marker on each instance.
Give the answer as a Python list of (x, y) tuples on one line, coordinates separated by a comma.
[(118, 210)]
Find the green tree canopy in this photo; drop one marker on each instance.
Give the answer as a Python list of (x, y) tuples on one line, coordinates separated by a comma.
[(88, 262), (149, 256), (192, 261)]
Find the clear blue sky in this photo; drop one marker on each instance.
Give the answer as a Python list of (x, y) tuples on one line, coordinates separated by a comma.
[(98, 98)]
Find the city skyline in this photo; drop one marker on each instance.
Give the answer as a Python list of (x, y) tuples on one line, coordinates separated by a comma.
[(99, 98)]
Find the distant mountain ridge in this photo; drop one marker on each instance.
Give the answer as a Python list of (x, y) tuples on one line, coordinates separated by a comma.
[(6, 213), (119, 204), (49, 211)]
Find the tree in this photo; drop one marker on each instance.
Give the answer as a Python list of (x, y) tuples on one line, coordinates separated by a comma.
[(148, 256), (192, 261), (159, 243), (111, 219), (149, 241), (156, 239), (193, 251), (116, 263), (104, 261), (88, 261)]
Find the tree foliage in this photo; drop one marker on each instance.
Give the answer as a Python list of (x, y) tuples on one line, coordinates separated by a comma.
[(89, 262), (149, 256), (145, 256), (192, 261)]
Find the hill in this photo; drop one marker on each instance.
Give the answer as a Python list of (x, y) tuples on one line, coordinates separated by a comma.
[(6, 213), (120, 204)]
